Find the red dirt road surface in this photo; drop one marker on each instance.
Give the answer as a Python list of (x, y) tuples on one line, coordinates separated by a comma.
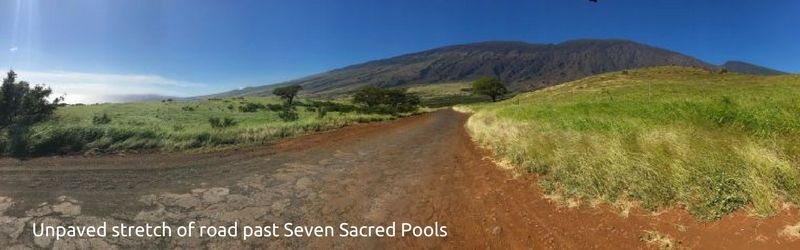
[(421, 170)]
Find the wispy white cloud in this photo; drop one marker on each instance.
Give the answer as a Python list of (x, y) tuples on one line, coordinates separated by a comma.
[(12, 49), (82, 87)]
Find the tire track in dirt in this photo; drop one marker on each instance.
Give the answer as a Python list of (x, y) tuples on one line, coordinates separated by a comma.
[(421, 170)]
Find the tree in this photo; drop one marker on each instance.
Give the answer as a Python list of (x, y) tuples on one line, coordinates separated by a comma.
[(489, 86), (288, 92), (386, 100), (370, 95), (21, 105)]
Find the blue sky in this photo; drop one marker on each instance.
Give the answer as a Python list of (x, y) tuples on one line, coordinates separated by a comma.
[(178, 47)]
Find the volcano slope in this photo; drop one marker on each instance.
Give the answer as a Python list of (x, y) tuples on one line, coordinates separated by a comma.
[(421, 170)]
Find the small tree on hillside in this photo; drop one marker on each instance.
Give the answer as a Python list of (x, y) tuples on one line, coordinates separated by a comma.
[(21, 105), (489, 86), (288, 92)]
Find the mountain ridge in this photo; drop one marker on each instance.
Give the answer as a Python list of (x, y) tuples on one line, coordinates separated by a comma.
[(749, 68), (522, 66)]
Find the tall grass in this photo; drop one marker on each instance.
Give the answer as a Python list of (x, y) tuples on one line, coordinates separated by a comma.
[(176, 126), (660, 136)]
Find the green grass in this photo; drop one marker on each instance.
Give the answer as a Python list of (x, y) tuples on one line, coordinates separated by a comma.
[(661, 136), (187, 125), (177, 126), (447, 94)]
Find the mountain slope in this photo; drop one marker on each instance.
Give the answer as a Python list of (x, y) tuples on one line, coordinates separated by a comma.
[(521, 66), (747, 68)]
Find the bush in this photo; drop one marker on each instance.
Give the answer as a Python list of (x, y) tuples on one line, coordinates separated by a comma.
[(222, 123), (187, 108), (274, 107), (386, 101), (18, 144), (251, 107), (99, 120), (333, 106), (490, 87), (288, 114), (22, 106)]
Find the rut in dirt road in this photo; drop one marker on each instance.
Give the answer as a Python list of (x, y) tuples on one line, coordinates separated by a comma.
[(421, 170)]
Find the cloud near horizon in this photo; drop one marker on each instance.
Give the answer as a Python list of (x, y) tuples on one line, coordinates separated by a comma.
[(82, 87)]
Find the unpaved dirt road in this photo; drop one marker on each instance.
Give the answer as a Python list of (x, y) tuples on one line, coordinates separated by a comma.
[(419, 170)]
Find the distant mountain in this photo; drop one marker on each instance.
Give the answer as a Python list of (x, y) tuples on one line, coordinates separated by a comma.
[(747, 68), (521, 66)]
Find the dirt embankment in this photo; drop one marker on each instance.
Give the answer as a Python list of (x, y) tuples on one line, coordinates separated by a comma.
[(420, 170)]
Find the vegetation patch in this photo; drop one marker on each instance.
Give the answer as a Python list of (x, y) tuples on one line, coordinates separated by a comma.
[(447, 94), (659, 136), (167, 125)]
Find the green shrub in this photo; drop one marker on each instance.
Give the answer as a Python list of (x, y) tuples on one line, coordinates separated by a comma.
[(222, 123), (321, 112), (275, 107), (18, 144), (489, 86), (333, 106), (288, 114), (251, 107), (100, 120), (386, 101)]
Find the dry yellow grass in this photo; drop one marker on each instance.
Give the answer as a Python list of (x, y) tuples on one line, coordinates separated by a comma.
[(658, 136)]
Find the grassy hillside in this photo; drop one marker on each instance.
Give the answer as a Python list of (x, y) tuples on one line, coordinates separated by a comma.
[(172, 126), (659, 136)]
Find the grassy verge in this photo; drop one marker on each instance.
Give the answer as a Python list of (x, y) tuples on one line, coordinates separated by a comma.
[(660, 136), (178, 126)]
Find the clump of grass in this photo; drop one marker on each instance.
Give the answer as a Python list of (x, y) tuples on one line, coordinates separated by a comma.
[(791, 231), (658, 240), (662, 136), (102, 119)]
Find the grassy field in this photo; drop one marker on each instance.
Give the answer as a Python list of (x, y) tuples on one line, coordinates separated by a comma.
[(185, 125), (659, 137), (174, 126), (447, 94)]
